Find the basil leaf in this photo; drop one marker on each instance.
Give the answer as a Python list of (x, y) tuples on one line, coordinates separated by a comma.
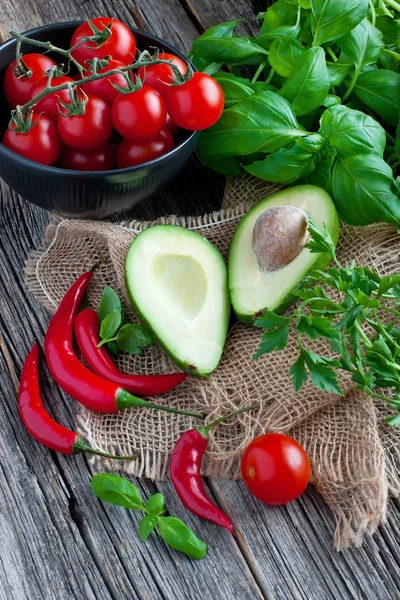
[(331, 100), (397, 142), (336, 18), (284, 54), (352, 132), (379, 89), (262, 86), (390, 29), (285, 166), (363, 45), (204, 65), (337, 72), (281, 19), (225, 30), (321, 176), (116, 490), (146, 526), (308, 85), (113, 348), (364, 190), (232, 50), (312, 143), (235, 88), (264, 122), (110, 324), (225, 166), (109, 302), (178, 535), (132, 338), (155, 504)]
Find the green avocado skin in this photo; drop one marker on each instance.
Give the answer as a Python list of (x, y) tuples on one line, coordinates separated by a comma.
[(322, 261), (186, 367)]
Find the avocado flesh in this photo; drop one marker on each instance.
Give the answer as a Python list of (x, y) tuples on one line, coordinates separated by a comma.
[(252, 289), (177, 283)]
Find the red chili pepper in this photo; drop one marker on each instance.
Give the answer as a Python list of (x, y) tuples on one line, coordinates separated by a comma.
[(86, 329), (39, 423), (72, 376), (185, 472)]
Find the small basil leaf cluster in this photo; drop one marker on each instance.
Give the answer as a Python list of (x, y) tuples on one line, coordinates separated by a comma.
[(118, 490), (119, 337), (357, 312), (323, 104)]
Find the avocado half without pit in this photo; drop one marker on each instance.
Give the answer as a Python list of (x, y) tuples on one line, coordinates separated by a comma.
[(267, 259), (177, 283)]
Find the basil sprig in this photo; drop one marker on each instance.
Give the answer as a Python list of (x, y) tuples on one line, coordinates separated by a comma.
[(118, 490)]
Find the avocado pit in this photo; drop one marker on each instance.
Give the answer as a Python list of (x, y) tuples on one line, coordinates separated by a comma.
[(279, 235)]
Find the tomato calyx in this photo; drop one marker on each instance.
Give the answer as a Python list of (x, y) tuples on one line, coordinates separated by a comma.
[(56, 72), (22, 122), (131, 86), (97, 64), (179, 78), (99, 35), (21, 69), (77, 106)]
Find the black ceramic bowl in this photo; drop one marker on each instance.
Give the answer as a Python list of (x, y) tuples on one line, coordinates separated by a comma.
[(86, 194)]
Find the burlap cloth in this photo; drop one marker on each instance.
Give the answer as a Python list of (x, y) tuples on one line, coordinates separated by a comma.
[(355, 456)]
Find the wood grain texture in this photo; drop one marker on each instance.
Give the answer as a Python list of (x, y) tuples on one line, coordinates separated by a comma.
[(59, 542)]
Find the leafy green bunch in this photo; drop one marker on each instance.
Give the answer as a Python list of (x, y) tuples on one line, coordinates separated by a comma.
[(357, 312), (321, 104)]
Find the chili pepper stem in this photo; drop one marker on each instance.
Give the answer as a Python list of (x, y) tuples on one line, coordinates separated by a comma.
[(204, 431), (126, 400), (81, 446)]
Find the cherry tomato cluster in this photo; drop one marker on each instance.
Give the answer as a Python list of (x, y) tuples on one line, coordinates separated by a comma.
[(126, 119)]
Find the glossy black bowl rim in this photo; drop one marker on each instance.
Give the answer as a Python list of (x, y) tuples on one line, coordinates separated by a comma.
[(31, 164)]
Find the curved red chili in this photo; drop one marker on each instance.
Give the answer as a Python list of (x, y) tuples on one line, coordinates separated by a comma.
[(86, 329), (185, 473), (39, 423), (72, 376)]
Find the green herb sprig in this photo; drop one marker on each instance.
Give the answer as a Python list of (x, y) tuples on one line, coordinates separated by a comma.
[(357, 312), (315, 98), (118, 490), (118, 336)]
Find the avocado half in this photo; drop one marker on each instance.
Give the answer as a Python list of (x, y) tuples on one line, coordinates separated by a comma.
[(177, 283), (253, 288)]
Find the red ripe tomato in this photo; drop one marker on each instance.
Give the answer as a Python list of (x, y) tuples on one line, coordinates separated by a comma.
[(99, 160), (88, 131), (120, 43), (17, 89), (197, 103), (130, 153), (156, 76), (275, 468), (104, 88), (172, 127), (49, 104), (139, 115), (40, 144)]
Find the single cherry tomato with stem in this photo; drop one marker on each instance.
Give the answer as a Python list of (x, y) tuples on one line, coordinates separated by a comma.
[(49, 104), (104, 88), (275, 468), (102, 159), (195, 102), (139, 112), (172, 127), (33, 136), (104, 36), (131, 153), (19, 78), (161, 75), (85, 122)]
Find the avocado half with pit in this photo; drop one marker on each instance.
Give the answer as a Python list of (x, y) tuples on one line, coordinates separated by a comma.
[(177, 283), (267, 259)]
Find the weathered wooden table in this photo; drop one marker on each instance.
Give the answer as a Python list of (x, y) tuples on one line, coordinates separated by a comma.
[(57, 541)]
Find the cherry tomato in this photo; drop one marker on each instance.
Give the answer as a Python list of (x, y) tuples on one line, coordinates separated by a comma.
[(17, 89), (41, 144), (156, 76), (172, 127), (90, 130), (275, 468), (49, 104), (139, 115), (196, 104), (130, 153), (99, 160), (120, 43), (104, 88)]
